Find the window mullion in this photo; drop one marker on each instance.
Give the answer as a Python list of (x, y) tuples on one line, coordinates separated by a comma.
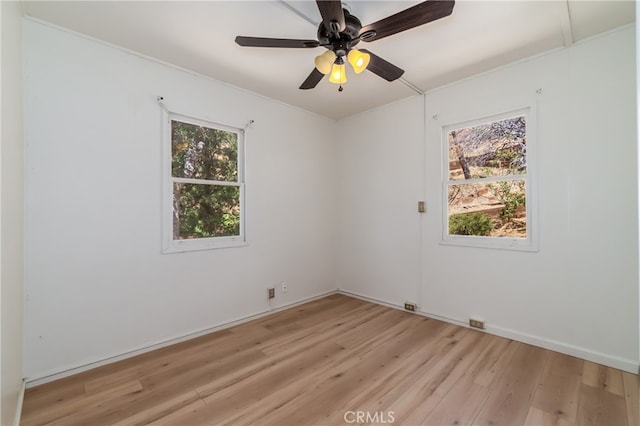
[(204, 182), (490, 179)]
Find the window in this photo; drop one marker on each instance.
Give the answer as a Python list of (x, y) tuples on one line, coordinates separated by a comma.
[(204, 185), (487, 188)]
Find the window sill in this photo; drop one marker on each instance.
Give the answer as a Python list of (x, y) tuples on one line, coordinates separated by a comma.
[(199, 245), (496, 243)]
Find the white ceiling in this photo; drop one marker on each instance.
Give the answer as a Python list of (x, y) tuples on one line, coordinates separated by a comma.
[(199, 36)]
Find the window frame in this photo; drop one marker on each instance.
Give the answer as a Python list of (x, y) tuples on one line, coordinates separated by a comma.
[(169, 245), (530, 242)]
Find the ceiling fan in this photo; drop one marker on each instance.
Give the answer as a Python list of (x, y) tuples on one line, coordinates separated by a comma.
[(340, 31)]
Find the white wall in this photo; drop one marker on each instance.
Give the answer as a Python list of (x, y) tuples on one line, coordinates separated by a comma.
[(97, 284), (381, 162), (579, 292), (12, 212)]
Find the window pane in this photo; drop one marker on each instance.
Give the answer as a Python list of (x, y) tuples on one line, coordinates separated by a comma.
[(489, 209), (199, 152), (491, 149), (203, 211)]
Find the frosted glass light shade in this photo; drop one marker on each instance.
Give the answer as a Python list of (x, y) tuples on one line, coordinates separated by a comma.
[(338, 74), (358, 60), (325, 61)]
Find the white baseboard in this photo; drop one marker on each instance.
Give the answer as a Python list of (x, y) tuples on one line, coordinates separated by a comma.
[(565, 348), (401, 307), (35, 381), (18, 417), (601, 358)]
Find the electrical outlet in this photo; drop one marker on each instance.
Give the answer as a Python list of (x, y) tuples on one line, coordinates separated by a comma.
[(271, 292), (284, 287), (476, 323), (410, 306)]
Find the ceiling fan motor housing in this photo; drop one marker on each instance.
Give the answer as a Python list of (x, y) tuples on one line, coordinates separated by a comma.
[(345, 40)]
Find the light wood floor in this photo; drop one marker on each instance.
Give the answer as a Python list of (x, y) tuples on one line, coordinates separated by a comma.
[(315, 363)]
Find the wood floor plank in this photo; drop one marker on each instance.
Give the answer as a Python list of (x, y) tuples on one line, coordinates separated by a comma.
[(375, 385), (334, 327), (381, 386), (460, 406), (597, 406), (632, 397), (104, 384), (64, 413), (614, 381), (495, 366), (42, 399), (559, 388), (509, 402), (462, 402), (603, 377), (198, 371), (158, 412), (237, 398), (243, 374), (175, 418), (463, 362), (111, 411), (246, 396), (537, 417), (407, 366), (413, 402), (344, 379), (593, 374), (315, 362)]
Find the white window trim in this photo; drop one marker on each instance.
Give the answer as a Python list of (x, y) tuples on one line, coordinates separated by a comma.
[(169, 245), (530, 243)]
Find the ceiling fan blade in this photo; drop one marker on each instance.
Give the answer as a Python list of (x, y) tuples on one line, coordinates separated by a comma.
[(383, 68), (275, 42), (313, 80), (331, 11), (415, 16)]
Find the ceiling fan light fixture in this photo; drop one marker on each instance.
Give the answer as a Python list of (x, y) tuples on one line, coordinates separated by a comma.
[(325, 61), (358, 60), (339, 31), (338, 72)]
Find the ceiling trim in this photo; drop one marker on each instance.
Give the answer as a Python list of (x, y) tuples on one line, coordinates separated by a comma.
[(565, 21), (411, 86), (300, 14)]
